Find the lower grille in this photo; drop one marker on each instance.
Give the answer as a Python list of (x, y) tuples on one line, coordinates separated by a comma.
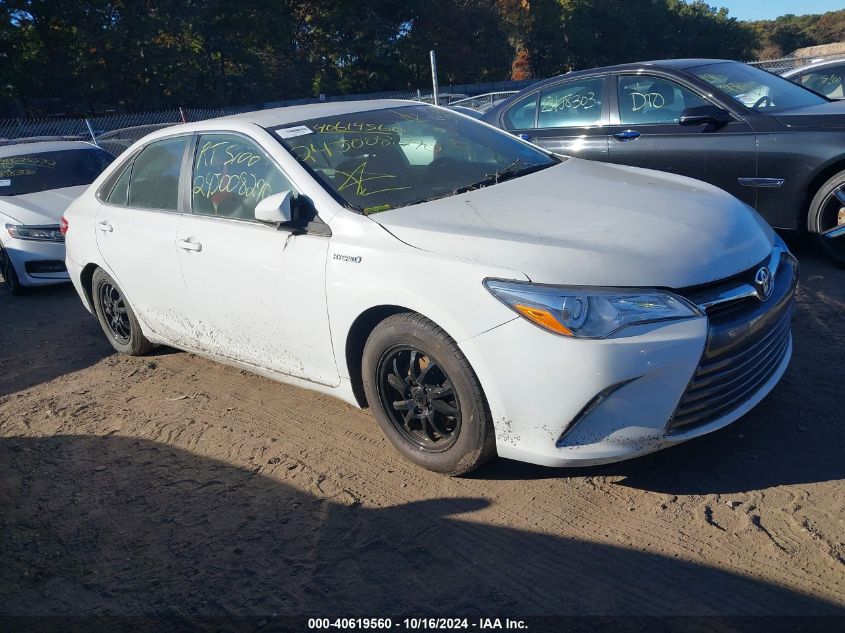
[(45, 266)]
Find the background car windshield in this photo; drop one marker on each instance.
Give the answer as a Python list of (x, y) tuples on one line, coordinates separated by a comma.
[(382, 159), (30, 173), (756, 89)]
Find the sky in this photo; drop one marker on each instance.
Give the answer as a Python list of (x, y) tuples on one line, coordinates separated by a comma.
[(770, 9)]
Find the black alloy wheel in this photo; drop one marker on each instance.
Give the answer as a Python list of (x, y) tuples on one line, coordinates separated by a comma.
[(116, 317), (418, 396), (115, 313)]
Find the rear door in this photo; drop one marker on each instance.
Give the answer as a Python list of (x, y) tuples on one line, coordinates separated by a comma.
[(136, 229), (646, 133), (256, 292), (569, 117)]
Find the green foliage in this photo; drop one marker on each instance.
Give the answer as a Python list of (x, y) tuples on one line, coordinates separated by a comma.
[(85, 55), (780, 37)]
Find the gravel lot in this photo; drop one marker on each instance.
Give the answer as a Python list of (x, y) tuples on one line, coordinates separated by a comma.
[(172, 485)]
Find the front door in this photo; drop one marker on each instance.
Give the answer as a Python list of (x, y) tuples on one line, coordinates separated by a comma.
[(646, 133), (256, 293)]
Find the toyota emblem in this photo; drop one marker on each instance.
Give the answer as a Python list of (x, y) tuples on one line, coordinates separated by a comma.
[(764, 283)]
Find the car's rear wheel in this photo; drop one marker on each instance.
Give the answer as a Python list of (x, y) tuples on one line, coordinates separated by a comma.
[(426, 397), (11, 281), (827, 217), (116, 316)]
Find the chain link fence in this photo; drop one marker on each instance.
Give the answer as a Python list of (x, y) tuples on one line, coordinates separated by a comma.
[(780, 66)]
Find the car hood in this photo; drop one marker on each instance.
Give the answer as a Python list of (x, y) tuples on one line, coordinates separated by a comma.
[(826, 115), (43, 207), (589, 223)]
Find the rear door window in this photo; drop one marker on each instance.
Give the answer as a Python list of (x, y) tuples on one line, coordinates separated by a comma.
[(572, 104), (154, 183)]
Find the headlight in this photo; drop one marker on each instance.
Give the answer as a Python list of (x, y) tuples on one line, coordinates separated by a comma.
[(584, 312), (45, 233)]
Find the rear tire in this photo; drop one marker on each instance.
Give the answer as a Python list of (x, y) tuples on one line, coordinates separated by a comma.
[(426, 397), (116, 316), (827, 212), (11, 281)]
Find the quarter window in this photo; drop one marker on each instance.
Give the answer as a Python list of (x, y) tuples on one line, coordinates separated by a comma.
[(573, 104), (644, 100), (154, 183), (120, 192), (231, 176), (522, 114)]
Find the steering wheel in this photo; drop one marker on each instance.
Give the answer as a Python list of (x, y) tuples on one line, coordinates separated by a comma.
[(764, 99)]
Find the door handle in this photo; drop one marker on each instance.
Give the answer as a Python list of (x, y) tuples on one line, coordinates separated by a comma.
[(105, 226), (188, 245), (627, 135)]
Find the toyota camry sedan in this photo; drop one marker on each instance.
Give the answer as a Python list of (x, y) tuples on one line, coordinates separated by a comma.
[(482, 296)]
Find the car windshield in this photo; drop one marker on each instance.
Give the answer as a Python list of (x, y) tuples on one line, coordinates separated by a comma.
[(378, 160), (756, 89), (31, 173)]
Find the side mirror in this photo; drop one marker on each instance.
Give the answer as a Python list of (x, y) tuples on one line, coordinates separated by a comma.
[(275, 209), (705, 115)]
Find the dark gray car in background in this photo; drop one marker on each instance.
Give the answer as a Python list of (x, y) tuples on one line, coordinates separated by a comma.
[(772, 143)]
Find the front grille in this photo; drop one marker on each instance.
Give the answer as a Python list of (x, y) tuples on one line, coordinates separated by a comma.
[(745, 346), (45, 266)]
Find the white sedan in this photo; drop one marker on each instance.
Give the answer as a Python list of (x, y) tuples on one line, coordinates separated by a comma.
[(38, 181), (480, 295)]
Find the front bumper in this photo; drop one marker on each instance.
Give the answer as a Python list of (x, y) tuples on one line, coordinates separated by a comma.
[(565, 402), (37, 263)]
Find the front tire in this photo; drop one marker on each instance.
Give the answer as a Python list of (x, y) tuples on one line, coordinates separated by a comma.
[(827, 213), (116, 316), (11, 281), (426, 397)]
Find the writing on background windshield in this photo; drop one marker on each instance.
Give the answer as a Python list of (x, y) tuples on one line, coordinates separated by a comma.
[(31, 173), (383, 159), (756, 89)]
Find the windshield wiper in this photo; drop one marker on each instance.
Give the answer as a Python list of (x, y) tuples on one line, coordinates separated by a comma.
[(505, 173)]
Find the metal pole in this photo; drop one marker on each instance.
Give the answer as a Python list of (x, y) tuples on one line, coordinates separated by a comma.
[(434, 77), (91, 132)]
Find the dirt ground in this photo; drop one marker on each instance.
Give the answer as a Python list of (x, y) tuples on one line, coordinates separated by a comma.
[(175, 486)]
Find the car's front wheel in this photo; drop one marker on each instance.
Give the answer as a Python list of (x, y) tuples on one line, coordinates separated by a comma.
[(827, 217), (116, 316), (426, 397), (10, 277)]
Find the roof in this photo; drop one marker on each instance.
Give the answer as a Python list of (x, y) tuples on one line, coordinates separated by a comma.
[(16, 149), (294, 114)]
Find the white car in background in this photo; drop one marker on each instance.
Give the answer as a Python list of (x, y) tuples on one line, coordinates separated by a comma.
[(826, 77), (481, 295), (37, 183)]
